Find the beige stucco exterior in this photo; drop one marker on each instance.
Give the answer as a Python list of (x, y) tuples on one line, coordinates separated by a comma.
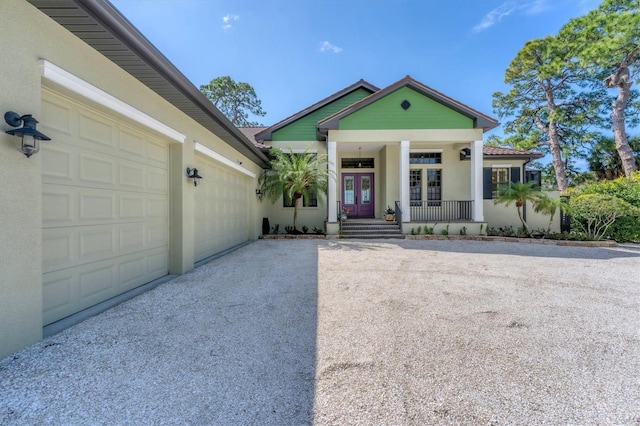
[(28, 36)]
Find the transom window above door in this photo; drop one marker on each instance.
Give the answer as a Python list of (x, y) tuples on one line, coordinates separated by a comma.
[(425, 158), (357, 163)]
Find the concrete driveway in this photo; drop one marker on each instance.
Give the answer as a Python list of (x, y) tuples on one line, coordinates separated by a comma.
[(329, 332)]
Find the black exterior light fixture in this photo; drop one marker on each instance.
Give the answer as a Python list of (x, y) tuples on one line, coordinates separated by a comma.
[(193, 174), (30, 136)]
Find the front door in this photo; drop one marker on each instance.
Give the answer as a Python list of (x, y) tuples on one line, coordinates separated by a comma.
[(357, 194)]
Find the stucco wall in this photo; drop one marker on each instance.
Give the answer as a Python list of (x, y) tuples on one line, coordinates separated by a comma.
[(27, 35)]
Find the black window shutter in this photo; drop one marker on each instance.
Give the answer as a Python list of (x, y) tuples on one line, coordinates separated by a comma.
[(534, 176), (515, 174), (486, 183)]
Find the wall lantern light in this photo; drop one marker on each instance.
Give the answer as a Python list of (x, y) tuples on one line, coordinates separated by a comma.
[(258, 191), (193, 174), (30, 136)]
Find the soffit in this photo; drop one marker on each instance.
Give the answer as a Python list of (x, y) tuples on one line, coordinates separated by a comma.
[(101, 26)]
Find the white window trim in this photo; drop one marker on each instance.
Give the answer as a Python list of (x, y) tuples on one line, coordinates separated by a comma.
[(75, 84), (425, 151), (501, 166), (222, 159)]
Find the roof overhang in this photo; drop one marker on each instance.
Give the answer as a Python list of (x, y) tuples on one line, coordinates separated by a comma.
[(101, 26)]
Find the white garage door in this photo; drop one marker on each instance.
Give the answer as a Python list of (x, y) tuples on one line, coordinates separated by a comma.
[(104, 207), (221, 215)]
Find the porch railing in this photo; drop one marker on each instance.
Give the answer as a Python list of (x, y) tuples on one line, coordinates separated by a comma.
[(398, 213), (442, 211), (339, 211)]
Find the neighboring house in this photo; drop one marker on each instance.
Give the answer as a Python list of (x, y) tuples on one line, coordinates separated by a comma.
[(106, 205), (407, 147)]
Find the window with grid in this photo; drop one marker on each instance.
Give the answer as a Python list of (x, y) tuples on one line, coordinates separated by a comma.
[(434, 186), (415, 187), (500, 178), (425, 158)]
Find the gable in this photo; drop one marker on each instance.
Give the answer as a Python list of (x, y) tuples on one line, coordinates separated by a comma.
[(387, 113), (304, 129)]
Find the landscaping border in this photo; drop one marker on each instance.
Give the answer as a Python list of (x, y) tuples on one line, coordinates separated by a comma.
[(607, 243)]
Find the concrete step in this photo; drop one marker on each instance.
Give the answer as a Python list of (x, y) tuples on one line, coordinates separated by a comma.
[(370, 228)]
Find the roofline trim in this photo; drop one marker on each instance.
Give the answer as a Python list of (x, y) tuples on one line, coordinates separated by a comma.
[(222, 159), (85, 89)]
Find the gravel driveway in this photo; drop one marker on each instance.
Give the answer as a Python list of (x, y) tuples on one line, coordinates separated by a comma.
[(335, 332)]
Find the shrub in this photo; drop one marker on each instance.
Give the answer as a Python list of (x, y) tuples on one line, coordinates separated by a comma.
[(595, 214), (627, 189)]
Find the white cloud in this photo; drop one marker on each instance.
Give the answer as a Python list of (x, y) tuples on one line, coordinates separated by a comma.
[(227, 21), (328, 47), (507, 8)]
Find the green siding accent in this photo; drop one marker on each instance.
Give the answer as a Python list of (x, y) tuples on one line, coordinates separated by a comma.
[(424, 113), (304, 129)]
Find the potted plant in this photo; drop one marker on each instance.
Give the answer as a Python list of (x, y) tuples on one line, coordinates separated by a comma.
[(389, 214), (343, 215)]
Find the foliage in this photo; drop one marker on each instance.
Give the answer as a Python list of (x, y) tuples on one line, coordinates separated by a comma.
[(276, 229), (305, 229), (607, 42), (419, 230), (317, 231), (548, 206), (548, 107), (463, 231), (518, 193), (627, 189), (234, 99), (604, 159), (594, 214), (389, 210), (296, 176), (428, 230), (445, 231)]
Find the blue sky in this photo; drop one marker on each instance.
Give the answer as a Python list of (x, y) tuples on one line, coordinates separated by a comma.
[(296, 52)]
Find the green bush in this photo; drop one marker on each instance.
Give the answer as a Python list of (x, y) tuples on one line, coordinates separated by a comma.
[(627, 228), (627, 189), (598, 215)]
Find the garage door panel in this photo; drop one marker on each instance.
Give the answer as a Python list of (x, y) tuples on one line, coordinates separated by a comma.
[(73, 246), (86, 285), (78, 206), (105, 207), (221, 209)]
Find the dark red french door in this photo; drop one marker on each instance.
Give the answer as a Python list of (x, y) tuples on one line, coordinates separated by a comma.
[(357, 194)]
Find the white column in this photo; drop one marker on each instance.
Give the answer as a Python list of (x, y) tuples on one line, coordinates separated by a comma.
[(332, 199), (404, 181), (476, 181)]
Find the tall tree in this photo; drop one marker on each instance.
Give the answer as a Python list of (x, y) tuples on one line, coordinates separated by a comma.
[(296, 175), (234, 100), (547, 107), (604, 159), (608, 41)]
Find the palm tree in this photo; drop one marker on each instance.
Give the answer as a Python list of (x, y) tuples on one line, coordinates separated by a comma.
[(518, 193), (547, 205), (295, 176)]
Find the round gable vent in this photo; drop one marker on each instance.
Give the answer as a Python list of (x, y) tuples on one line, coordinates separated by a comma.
[(405, 105)]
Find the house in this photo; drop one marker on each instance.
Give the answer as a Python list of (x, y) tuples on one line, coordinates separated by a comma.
[(106, 206), (109, 205), (406, 146)]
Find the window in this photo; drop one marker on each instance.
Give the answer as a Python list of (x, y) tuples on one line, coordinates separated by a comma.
[(425, 158), (434, 186), (415, 187), (288, 202), (357, 163), (499, 180)]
